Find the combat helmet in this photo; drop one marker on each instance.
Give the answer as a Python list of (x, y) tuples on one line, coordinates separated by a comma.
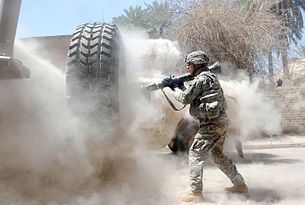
[(197, 57)]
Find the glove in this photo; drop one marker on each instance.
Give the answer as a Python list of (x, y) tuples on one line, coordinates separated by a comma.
[(181, 86), (170, 82)]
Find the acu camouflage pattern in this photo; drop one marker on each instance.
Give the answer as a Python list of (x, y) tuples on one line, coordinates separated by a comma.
[(203, 91), (197, 57), (206, 98)]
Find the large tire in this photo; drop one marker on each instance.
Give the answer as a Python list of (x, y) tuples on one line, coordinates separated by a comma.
[(93, 72)]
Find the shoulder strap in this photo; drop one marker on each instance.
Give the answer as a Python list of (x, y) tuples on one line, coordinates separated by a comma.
[(210, 77), (170, 102)]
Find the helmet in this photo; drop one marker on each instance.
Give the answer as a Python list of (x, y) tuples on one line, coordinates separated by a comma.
[(197, 57)]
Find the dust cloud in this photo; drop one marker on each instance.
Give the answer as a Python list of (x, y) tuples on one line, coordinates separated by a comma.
[(250, 109), (50, 156), (150, 61)]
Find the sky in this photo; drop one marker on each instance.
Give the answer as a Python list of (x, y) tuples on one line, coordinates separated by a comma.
[(60, 17)]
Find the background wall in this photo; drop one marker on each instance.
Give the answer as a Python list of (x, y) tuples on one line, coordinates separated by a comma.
[(52, 48), (290, 101)]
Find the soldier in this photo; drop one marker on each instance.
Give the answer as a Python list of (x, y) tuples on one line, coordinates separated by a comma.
[(208, 105)]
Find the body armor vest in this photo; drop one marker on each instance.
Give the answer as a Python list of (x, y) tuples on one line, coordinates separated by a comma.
[(210, 105)]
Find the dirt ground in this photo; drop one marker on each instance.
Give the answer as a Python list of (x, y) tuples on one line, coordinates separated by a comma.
[(273, 170)]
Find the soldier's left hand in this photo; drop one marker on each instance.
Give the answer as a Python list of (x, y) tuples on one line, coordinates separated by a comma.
[(170, 82)]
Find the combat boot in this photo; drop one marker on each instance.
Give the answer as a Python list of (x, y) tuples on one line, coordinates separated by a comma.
[(192, 197), (240, 189)]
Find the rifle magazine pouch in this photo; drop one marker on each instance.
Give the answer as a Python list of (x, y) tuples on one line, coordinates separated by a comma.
[(212, 110), (212, 105)]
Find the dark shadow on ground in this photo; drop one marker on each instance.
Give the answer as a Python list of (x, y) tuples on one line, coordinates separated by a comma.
[(263, 195), (181, 159), (257, 195), (261, 157)]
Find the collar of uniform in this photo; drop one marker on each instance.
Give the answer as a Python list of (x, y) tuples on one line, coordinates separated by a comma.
[(200, 70)]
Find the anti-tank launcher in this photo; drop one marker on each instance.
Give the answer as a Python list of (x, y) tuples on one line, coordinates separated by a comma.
[(173, 82)]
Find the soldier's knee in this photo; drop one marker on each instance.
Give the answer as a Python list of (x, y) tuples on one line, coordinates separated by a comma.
[(217, 160), (221, 159)]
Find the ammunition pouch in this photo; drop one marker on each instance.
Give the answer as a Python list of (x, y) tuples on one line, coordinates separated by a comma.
[(212, 105), (208, 107)]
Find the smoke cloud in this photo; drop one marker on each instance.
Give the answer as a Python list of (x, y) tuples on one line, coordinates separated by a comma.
[(50, 156), (251, 111)]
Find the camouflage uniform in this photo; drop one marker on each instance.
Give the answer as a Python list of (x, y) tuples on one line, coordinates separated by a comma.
[(208, 105)]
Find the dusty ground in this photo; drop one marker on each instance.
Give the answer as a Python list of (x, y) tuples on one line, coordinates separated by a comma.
[(273, 169)]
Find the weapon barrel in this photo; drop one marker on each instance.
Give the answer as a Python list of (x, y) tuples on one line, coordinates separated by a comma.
[(215, 68), (155, 86)]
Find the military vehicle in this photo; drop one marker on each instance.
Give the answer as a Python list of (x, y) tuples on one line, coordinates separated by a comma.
[(95, 73)]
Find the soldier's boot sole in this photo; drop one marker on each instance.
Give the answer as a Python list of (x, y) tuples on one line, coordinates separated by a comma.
[(237, 189), (195, 197)]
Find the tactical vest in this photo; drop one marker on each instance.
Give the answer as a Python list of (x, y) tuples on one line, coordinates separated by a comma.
[(210, 105)]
